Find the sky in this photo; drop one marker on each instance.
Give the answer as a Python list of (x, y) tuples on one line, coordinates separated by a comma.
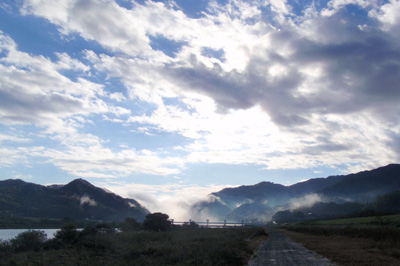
[(167, 101)]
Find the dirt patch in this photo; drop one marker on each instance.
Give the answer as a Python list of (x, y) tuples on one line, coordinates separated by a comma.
[(346, 250)]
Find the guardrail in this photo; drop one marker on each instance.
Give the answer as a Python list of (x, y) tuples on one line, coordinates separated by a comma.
[(210, 224)]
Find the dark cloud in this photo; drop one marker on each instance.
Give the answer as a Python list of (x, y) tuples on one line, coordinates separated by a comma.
[(36, 108), (327, 147), (394, 142), (359, 70)]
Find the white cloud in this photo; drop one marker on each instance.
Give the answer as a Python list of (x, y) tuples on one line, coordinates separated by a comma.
[(306, 201), (389, 15), (173, 199), (23, 177), (88, 201), (280, 7), (9, 157), (9, 138), (34, 92), (336, 5), (284, 92), (96, 161), (117, 96)]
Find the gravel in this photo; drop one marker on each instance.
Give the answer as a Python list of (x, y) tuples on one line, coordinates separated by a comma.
[(280, 249)]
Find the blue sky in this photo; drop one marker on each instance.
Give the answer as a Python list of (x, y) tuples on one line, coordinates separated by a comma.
[(167, 101)]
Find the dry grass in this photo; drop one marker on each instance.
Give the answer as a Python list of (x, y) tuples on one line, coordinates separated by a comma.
[(229, 246), (255, 242), (346, 250)]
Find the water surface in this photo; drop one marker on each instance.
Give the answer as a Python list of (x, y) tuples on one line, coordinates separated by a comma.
[(7, 234)]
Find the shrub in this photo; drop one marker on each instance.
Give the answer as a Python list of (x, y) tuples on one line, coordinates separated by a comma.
[(105, 228), (190, 226), (5, 246), (90, 229)]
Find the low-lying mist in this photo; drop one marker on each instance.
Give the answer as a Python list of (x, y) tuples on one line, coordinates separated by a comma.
[(178, 207), (305, 201)]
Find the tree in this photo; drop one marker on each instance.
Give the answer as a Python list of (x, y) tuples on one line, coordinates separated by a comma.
[(129, 224), (157, 222), (68, 234), (29, 240)]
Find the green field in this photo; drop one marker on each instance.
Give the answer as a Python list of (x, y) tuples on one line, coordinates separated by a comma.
[(392, 220)]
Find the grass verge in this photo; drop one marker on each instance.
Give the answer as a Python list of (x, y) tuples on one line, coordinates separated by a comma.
[(385, 220), (350, 246)]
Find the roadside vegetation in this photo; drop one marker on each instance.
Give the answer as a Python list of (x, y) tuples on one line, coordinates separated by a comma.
[(154, 242), (373, 221), (373, 240)]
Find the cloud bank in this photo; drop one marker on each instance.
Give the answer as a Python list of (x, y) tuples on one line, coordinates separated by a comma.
[(272, 84)]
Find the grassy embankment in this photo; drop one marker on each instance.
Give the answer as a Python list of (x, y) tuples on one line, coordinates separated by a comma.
[(228, 246), (352, 241)]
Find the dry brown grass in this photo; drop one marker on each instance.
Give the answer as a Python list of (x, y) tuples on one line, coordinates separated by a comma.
[(345, 250), (222, 246), (255, 242)]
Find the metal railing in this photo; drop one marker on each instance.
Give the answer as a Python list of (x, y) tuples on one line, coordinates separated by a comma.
[(210, 224)]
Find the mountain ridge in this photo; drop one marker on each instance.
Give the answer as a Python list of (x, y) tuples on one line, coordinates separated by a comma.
[(78, 199), (264, 199)]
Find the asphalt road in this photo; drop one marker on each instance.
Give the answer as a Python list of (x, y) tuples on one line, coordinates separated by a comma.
[(280, 249)]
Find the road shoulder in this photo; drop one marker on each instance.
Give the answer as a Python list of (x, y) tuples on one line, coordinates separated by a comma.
[(344, 250)]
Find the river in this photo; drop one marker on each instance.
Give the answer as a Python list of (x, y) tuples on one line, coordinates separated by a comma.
[(7, 234)]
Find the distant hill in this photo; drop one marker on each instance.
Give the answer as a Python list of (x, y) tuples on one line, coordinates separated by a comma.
[(320, 210), (76, 200), (264, 199), (385, 204), (365, 185)]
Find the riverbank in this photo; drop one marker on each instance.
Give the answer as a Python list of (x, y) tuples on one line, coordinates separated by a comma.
[(38, 223)]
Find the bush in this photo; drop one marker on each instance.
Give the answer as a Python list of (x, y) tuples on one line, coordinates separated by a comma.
[(90, 229), (29, 240), (5, 247), (190, 226), (105, 228)]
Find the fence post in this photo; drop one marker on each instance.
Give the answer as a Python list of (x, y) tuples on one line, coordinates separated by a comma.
[(207, 223), (224, 223)]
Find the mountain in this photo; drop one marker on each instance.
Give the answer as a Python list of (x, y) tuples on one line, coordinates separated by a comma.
[(385, 204), (320, 210), (316, 184), (77, 200), (366, 185), (264, 199)]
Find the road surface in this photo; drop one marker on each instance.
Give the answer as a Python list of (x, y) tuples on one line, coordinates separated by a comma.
[(280, 250)]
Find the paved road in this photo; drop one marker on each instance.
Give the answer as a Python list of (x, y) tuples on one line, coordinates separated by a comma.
[(280, 250)]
